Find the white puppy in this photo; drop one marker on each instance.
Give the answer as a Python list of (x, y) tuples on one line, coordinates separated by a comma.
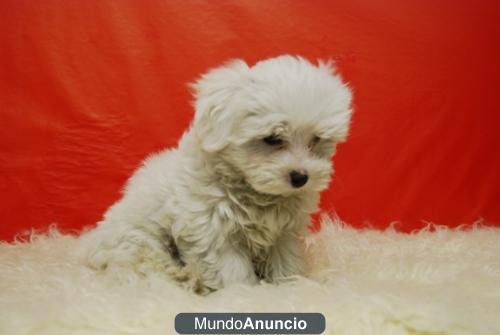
[(231, 203)]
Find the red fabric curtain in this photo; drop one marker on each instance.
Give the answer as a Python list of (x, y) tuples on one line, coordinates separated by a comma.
[(89, 88)]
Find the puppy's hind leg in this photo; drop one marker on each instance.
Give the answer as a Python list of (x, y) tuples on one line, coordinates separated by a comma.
[(186, 272), (140, 251), (111, 245)]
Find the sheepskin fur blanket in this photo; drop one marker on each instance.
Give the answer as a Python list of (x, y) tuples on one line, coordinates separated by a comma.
[(436, 281)]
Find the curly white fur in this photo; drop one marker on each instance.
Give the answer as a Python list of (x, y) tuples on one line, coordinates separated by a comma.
[(445, 282), (223, 208)]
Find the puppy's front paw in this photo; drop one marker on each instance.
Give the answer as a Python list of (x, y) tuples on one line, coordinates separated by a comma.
[(285, 261), (236, 268)]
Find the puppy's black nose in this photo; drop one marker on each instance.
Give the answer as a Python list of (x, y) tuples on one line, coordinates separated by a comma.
[(298, 178)]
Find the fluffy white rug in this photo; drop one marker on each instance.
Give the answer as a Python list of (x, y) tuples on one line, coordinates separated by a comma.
[(364, 282)]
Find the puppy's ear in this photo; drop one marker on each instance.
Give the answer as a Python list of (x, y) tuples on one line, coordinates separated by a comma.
[(214, 119), (342, 109)]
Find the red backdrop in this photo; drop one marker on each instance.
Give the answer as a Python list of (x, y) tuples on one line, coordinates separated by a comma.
[(88, 88)]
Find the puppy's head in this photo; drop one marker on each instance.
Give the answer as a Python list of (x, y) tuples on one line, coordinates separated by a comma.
[(276, 123)]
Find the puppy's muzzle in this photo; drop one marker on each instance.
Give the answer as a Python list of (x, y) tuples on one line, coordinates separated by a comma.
[(298, 178)]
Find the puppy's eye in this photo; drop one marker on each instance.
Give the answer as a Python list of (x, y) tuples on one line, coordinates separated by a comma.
[(273, 140), (315, 140)]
